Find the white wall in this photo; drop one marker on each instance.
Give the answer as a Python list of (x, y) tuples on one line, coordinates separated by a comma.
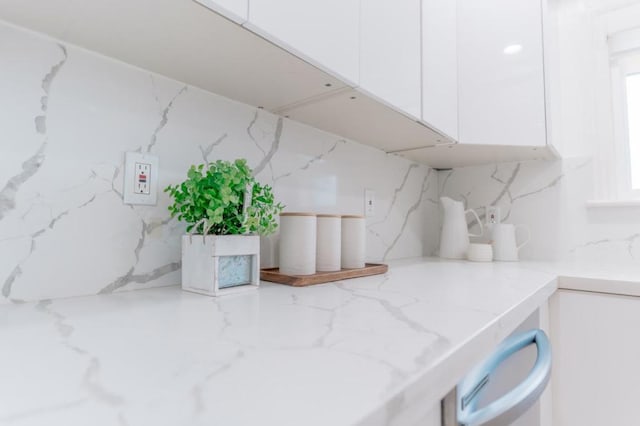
[(579, 83), (551, 197), (68, 116)]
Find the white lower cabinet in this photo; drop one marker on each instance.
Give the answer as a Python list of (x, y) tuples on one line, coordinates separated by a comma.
[(596, 376)]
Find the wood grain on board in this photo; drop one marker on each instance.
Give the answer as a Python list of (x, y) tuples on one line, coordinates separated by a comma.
[(274, 275)]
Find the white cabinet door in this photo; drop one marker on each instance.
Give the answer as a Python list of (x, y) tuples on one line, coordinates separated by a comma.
[(440, 66), (236, 10), (500, 72), (596, 351), (324, 32), (390, 52)]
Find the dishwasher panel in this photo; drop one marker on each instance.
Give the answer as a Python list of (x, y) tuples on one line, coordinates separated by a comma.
[(471, 411)]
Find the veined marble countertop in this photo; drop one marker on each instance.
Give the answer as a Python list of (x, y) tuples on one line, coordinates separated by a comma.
[(603, 277), (370, 351)]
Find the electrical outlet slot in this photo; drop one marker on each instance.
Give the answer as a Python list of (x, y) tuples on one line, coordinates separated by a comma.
[(369, 202), (492, 215)]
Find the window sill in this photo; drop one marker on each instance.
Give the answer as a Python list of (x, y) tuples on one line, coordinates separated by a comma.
[(613, 203)]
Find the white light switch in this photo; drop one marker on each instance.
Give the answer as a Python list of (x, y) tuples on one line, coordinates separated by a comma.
[(141, 178)]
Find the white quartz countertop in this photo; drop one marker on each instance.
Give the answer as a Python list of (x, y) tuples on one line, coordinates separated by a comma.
[(371, 351), (600, 277)]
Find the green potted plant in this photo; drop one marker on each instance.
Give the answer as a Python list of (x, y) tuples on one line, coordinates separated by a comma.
[(226, 211)]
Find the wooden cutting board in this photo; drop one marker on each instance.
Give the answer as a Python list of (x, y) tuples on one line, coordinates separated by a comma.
[(273, 275)]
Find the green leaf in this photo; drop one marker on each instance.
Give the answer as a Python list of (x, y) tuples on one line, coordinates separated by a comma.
[(216, 193)]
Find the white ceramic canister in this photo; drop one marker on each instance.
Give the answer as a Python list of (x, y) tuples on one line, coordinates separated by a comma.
[(298, 243), (353, 241), (328, 243)]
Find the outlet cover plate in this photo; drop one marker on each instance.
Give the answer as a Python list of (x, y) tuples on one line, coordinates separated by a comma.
[(369, 202), (492, 215), (141, 189)]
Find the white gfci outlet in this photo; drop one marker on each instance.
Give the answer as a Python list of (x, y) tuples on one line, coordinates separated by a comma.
[(492, 215), (369, 202), (141, 178)]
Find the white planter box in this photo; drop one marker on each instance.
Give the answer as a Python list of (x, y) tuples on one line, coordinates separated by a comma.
[(220, 264)]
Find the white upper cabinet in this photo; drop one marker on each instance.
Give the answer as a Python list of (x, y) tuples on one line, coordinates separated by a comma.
[(439, 66), (236, 10), (501, 91), (324, 32), (390, 52)]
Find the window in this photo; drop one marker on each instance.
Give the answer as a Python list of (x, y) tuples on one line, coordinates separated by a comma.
[(624, 49), (633, 127), (609, 63)]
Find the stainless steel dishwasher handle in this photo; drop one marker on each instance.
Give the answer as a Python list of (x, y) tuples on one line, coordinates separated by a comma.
[(511, 405)]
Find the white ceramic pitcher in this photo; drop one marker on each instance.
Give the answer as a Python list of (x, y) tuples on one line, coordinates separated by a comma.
[(454, 241), (505, 246)]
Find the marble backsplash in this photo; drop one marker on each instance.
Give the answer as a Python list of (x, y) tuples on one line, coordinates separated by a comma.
[(69, 115), (551, 199)]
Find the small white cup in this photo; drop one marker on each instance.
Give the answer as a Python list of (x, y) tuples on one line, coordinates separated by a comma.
[(480, 252)]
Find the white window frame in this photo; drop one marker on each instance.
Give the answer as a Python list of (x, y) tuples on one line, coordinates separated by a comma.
[(616, 35), (623, 65)]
